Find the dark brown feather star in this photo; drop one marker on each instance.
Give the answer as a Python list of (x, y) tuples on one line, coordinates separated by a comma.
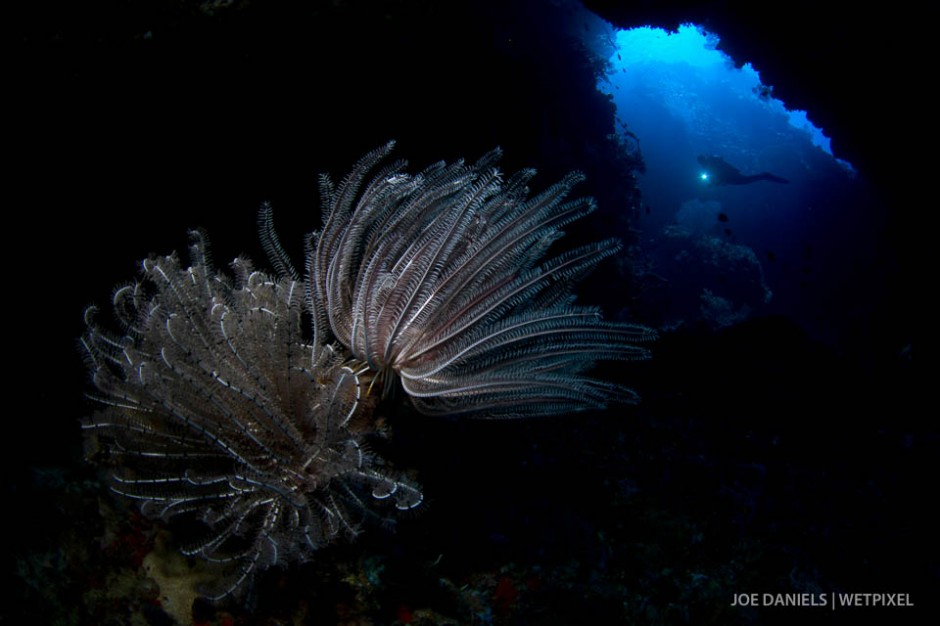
[(215, 408)]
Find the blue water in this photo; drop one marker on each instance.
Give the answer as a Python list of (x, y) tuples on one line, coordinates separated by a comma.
[(718, 255)]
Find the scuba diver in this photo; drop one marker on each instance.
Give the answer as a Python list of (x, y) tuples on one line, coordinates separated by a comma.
[(719, 172)]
